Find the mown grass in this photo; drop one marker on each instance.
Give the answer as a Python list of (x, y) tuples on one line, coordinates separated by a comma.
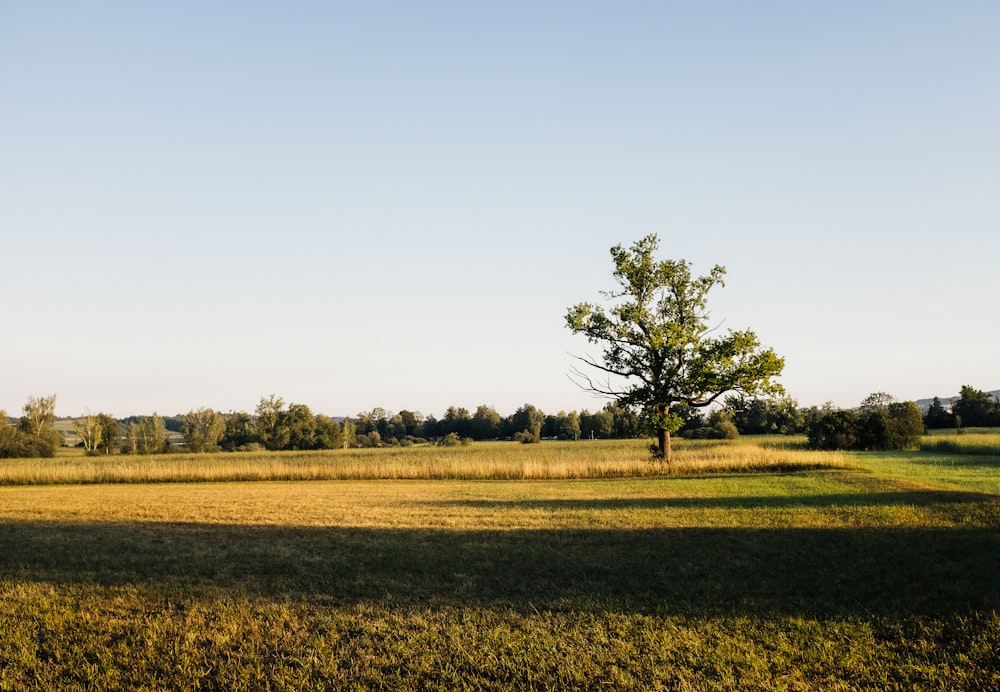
[(865, 571)]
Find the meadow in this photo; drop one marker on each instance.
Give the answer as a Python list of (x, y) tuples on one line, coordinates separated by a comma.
[(745, 564)]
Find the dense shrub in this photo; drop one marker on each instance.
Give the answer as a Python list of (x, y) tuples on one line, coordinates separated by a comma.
[(892, 426), (525, 437)]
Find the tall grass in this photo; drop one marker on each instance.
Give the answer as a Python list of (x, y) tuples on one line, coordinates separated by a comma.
[(987, 444), (480, 461), (838, 580)]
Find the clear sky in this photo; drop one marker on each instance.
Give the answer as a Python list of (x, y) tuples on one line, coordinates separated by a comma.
[(392, 204)]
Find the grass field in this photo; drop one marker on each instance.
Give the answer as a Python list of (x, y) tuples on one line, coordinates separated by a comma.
[(754, 564)]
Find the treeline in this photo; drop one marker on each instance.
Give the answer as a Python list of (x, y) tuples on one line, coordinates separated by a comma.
[(974, 408), (879, 422)]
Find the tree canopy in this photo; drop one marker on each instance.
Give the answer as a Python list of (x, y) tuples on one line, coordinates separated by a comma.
[(659, 348)]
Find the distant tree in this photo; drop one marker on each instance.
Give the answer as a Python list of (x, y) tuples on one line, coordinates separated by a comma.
[(413, 422), (16, 443), (240, 431), (349, 433), (111, 434), (626, 423), (203, 429), (456, 420), (976, 408), (880, 423), (88, 429), (396, 428), (38, 421), (527, 419), (721, 426), (432, 427), (301, 426), (834, 429), (658, 345), (937, 417), (39, 415), (271, 424), (599, 425), (571, 426), (99, 433), (329, 435), (905, 425), (486, 423), (146, 435)]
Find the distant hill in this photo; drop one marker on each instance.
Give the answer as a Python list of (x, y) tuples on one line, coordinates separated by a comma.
[(946, 401)]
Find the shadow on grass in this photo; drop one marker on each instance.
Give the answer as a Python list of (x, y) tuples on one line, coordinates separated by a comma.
[(918, 498), (831, 572)]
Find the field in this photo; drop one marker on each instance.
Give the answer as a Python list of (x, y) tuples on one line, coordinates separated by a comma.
[(748, 564)]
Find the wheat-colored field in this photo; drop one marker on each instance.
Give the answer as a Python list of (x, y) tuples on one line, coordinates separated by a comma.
[(746, 564), (484, 461)]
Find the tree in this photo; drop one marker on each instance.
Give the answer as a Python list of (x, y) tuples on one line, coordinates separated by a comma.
[(349, 433), (240, 431), (486, 423), (111, 433), (456, 420), (658, 346), (597, 425), (329, 435), (413, 421), (203, 429), (937, 416), (272, 430), (38, 422), (301, 425), (976, 408), (146, 435), (89, 429), (880, 423), (834, 429), (526, 423), (571, 426), (39, 415), (15, 442)]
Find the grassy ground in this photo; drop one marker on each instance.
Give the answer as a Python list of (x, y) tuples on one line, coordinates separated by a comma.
[(840, 572)]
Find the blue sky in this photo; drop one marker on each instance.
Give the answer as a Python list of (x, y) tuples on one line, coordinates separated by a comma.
[(392, 204)]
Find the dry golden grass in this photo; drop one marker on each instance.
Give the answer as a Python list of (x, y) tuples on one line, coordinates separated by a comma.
[(811, 577), (482, 461)]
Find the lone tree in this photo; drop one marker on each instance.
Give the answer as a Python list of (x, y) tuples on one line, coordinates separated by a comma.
[(659, 349)]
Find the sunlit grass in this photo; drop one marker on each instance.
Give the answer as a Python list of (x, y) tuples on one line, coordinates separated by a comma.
[(751, 564), (482, 461), (987, 444)]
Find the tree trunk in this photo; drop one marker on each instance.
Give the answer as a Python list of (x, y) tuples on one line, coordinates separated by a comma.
[(664, 445)]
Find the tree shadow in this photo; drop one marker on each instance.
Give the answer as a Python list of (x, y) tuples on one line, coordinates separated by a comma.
[(914, 497), (702, 571)]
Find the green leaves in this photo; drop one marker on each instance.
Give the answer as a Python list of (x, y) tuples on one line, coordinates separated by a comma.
[(655, 335)]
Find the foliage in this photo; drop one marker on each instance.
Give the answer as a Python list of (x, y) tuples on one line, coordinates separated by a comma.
[(146, 435), (89, 430), (765, 416), (976, 408), (202, 430), (16, 443), (835, 429), (878, 424), (658, 344), (240, 431), (35, 435), (453, 439), (937, 417), (270, 425)]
